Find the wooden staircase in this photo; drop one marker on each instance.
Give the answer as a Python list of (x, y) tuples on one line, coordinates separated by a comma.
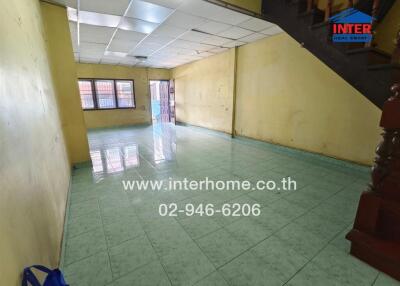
[(367, 68)]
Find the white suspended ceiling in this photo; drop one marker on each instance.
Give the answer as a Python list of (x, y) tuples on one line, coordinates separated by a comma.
[(168, 32)]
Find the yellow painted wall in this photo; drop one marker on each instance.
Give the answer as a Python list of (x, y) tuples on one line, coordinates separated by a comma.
[(287, 96), (34, 167), (204, 92), (141, 77), (387, 30), (252, 5), (64, 78)]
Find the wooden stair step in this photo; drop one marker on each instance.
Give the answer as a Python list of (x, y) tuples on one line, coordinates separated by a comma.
[(380, 253)]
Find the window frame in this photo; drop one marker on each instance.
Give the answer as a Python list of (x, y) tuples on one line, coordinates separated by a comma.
[(94, 93)]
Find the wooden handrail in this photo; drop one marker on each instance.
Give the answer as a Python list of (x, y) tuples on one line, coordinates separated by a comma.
[(328, 10)]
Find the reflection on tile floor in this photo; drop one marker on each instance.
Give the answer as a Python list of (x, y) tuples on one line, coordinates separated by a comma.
[(117, 238)]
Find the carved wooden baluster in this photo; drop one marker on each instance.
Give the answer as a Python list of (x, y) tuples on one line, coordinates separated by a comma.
[(374, 14), (350, 4), (328, 10), (396, 52), (310, 5)]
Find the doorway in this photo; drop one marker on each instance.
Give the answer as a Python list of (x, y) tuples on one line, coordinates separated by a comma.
[(162, 101)]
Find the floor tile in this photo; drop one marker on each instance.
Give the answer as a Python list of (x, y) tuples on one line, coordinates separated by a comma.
[(186, 266), (248, 231), (214, 279), (221, 247), (84, 245), (122, 231), (279, 257), (249, 270), (83, 208), (302, 240), (151, 274), (385, 280), (92, 271), (345, 268), (131, 255), (168, 240), (82, 224), (197, 226), (311, 274)]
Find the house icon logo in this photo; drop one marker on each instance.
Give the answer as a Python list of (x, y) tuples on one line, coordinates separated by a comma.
[(351, 26)]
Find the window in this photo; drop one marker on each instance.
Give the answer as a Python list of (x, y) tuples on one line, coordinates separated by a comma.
[(86, 90), (125, 93), (106, 94)]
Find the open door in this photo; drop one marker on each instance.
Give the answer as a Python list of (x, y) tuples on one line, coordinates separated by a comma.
[(172, 115), (162, 101)]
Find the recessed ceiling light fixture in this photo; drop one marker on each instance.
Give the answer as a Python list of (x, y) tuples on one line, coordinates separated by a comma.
[(141, 58)]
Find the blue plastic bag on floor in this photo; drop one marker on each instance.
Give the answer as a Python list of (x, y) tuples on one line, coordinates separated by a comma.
[(53, 278)]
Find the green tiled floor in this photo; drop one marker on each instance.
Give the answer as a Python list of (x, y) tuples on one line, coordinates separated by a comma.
[(117, 238)]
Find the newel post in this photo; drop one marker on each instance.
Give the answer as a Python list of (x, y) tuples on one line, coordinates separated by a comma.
[(375, 237)]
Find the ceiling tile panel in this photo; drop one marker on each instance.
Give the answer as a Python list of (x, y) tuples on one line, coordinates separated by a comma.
[(218, 50), (92, 50), (235, 33), (114, 7), (137, 25), (253, 37), (145, 49), (195, 36), (233, 44), (205, 54), (114, 55), (173, 4), (212, 12), (161, 40), (169, 31), (215, 40), (66, 3), (256, 25), (95, 34), (121, 46), (97, 19), (148, 12), (107, 61), (191, 45), (129, 36), (185, 21), (213, 27)]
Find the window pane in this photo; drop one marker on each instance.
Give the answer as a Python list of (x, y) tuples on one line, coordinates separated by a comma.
[(86, 92), (125, 93), (105, 93)]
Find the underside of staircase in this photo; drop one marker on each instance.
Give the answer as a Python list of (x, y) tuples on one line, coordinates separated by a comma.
[(367, 69)]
